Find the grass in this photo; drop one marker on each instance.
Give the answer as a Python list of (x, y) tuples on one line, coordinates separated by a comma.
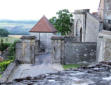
[(69, 66), (9, 39)]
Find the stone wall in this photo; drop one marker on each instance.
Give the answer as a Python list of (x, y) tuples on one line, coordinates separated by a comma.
[(77, 52), (57, 49), (25, 50), (69, 52), (104, 46)]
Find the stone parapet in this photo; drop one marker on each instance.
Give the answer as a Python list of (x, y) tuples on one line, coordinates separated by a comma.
[(28, 37)]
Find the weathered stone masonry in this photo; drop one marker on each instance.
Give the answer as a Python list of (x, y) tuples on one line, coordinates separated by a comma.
[(58, 49), (25, 50), (104, 46), (78, 53), (67, 51)]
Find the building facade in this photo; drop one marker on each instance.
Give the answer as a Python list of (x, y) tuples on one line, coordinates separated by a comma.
[(87, 25)]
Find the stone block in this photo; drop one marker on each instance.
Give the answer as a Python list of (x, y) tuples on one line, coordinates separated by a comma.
[(104, 46)]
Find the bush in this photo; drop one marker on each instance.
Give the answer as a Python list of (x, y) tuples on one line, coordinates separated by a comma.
[(11, 57), (4, 64), (3, 45), (12, 49)]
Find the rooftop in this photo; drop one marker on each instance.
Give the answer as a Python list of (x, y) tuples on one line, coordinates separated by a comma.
[(43, 26)]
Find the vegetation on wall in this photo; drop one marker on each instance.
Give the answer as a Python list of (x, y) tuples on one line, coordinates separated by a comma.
[(10, 56), (4, 64), (63, 22)]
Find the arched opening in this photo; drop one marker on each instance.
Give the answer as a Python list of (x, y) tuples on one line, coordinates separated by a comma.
[(81, 34), (77, 28)]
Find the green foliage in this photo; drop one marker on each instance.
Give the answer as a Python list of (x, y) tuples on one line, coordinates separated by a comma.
[(0, 75), (4, 64), (8, 39), (69, 66), (11, 50), (3, 45), (4, 33), (63, 22)]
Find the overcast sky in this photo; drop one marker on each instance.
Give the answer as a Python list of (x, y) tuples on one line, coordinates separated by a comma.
[(35, 9)]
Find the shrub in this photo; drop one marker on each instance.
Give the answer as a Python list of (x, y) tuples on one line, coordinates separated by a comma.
[(11, 57), (3, 45), (4, 64), (12, 49)]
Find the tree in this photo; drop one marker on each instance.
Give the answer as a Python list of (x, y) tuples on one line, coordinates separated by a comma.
[(63, 22), (4, 33)]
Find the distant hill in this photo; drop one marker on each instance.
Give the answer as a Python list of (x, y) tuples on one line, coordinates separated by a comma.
[(18, 21), (17, 27)]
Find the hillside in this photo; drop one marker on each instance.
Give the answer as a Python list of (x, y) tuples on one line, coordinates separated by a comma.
[(17, 27)]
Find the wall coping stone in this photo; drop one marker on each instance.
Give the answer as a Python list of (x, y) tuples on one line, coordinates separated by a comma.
[(81, 11), (57, 38), (28, 37)]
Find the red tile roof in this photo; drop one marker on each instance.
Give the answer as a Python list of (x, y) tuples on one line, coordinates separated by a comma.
[(43, 26)]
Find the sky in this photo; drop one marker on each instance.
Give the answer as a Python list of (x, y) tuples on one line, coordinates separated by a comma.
[(35, 9)]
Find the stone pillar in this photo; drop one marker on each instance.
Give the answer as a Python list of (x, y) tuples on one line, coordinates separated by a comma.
[(104, 46), (57, 50), (25, 50)]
